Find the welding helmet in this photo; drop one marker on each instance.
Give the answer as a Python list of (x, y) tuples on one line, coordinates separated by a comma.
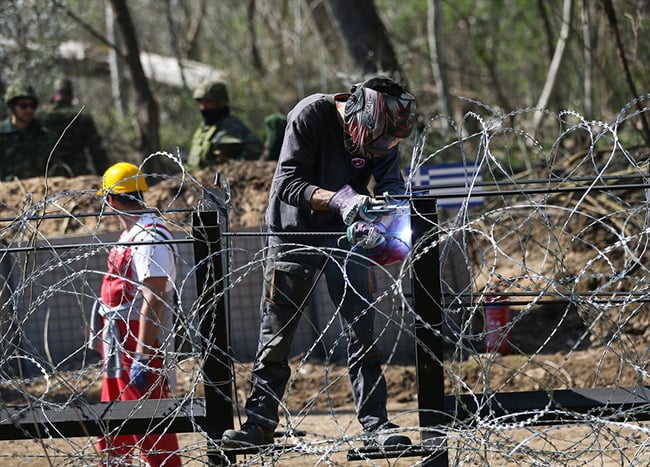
[(378, 114)]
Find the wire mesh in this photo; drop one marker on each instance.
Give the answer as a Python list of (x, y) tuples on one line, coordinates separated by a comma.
[(561, 236)]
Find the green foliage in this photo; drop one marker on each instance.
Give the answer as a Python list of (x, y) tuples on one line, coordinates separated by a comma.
[(495, 52)]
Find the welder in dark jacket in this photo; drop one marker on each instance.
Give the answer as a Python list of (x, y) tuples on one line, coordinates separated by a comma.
[(332, 147)]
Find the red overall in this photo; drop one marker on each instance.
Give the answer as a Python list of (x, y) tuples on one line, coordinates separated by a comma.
[(118, 287)]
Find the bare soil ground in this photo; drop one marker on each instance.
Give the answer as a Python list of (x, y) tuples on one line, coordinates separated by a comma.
[(589, 364), (330, 417)]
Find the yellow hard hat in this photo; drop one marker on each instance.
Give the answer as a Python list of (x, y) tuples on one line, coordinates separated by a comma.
[(122, 178)]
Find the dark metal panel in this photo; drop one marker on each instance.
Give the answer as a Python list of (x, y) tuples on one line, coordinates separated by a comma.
[(101, 418), (209, 251), (427, 304), (550, 407)]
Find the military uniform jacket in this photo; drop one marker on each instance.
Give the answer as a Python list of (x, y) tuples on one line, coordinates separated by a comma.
[(228, 138), (23, 153), (79, 150)]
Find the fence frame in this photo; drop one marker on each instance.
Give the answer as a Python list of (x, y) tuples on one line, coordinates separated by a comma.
[(214, 413)]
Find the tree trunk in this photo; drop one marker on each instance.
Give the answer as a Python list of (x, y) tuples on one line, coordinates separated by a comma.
[(326, 30), (115, 65), (252, 31), (366, 37), (434, 26), (554, 68), (613, 24), (548, 34), (169, 16), (146, 108), (587, 79), (192, 45)]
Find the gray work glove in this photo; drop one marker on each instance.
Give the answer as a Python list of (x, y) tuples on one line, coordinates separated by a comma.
[(352, 206), (365, 234)]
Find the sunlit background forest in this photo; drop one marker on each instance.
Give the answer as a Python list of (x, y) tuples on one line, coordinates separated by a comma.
[(456, 56), (550, 99)]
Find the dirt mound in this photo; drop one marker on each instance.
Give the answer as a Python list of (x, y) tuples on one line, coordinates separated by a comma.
[(69, 203)]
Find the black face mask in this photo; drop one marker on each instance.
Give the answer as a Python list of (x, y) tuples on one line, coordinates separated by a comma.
[(212, 116)]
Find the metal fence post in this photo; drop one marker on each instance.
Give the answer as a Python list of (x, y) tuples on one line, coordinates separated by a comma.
[(427, 303), (217, 368)]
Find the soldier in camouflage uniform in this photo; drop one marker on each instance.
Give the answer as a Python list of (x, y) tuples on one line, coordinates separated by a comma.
[(222, 135), (80, 150), (24, 143), (274, 126)]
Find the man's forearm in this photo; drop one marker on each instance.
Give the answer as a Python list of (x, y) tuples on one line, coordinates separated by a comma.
[(149, 328), (150, 315), (320, 198)]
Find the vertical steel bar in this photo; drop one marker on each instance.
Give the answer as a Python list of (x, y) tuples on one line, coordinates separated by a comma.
[(427, 303), (217, 367)]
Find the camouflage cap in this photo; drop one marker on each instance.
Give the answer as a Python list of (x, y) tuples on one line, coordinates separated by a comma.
[(213, 90), (19, 89), (64, 86)]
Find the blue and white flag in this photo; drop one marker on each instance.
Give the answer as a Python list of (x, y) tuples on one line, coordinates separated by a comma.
[(450, 179)]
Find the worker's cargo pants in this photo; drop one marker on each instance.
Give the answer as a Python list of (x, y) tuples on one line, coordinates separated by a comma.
[(290, 274)]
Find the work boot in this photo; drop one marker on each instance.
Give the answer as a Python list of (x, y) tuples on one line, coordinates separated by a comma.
[(250, 434), (384, 435)]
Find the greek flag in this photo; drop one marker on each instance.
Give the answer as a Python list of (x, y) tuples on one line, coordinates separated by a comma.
[(450, 179)]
